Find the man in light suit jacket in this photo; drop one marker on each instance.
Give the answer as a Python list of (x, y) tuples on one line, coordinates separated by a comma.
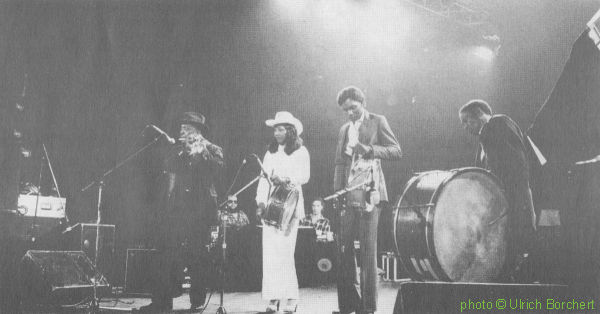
[(368, 136)]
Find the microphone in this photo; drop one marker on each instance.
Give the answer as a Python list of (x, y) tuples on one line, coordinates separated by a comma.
[(161, 132)]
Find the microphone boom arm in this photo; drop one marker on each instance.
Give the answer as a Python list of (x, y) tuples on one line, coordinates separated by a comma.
[(121, 163)]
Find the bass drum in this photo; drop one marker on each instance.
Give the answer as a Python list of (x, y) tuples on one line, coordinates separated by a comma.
[(452, 226)]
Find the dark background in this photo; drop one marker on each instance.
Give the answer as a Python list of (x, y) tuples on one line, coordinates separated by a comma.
[(97, 72)]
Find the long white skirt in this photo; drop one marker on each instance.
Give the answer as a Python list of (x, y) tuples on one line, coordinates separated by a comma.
[(279, 281)]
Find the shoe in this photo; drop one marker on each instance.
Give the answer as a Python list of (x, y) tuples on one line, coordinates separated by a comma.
[(273, 306), (154, 307), (195, 306), (291, 306)]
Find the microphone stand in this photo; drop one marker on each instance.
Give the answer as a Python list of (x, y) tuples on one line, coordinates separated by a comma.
[(95, 303), (221, 309), (346, 190)]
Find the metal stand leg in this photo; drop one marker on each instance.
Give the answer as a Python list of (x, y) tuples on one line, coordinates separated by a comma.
[(221, 309), (95, 303)]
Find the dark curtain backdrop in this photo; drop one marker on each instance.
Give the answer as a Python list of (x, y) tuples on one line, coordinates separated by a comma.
[(91, 75)]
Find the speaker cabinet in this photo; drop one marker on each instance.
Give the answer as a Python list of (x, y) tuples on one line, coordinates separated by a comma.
[(139, 271), (83, 238), (59, 277)]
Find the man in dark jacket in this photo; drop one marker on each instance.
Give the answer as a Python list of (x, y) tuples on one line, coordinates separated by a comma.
[(503, 151), (366, 136), (188, 209)]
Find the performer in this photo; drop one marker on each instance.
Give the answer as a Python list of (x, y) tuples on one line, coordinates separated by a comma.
[(233, 215), (317, 220), (503, 151), (368, 136), (188, 208), (286, 162)]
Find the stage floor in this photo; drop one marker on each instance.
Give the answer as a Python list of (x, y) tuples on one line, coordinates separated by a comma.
[(320, 300)]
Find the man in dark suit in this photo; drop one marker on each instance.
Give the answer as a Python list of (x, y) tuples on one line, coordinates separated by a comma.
[(503, 151), (367, 136), (187, 210)]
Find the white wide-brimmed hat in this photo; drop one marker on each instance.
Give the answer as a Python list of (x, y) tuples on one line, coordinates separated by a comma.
[(284, 117)]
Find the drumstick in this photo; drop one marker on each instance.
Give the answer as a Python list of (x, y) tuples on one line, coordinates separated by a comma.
[(241, 190), (262, 169)]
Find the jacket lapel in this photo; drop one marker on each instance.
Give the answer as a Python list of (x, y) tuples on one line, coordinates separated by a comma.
[(344, 140)]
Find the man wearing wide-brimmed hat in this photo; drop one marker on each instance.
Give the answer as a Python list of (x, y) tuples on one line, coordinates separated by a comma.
[(187, 209)]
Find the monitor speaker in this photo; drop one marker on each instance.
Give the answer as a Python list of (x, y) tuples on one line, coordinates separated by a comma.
[(59, 277)]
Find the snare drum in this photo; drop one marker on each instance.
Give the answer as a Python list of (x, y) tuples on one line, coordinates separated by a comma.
[(281, 206), (452, 226)]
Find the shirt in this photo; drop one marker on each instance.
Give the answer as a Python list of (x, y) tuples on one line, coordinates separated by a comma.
[(353, 134), (319, 223), (237, 219)]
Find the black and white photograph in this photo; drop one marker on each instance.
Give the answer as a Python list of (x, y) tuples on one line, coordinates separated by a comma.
[(299, 156)]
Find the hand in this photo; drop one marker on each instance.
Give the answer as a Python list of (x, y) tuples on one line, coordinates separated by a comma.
[(362, 149), (288, 228), (260, 210), (199, 148), (279, 181)]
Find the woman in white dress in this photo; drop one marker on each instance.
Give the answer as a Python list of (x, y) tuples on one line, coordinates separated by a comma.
[(287, 162)]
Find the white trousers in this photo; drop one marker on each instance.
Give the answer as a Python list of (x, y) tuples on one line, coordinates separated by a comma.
[(279, 281)]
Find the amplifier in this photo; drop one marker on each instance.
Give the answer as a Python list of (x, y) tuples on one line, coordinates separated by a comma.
[(32, 229), (139, 270), (82, 237), (47, 206)]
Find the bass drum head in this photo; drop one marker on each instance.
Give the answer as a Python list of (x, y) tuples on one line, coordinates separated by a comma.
[(470, 226)]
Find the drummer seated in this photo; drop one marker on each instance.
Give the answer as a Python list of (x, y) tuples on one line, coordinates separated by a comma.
[(318, 222), (232, 215)]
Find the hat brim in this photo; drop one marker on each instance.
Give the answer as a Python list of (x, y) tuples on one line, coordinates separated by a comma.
[(295, 122), (199, 126)]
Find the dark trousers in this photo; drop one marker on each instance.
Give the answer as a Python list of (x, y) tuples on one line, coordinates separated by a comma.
[(520, 234), (357, 293), (169, 274), (182, 245)]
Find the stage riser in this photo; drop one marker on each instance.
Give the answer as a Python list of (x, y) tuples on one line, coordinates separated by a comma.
[(438, 297)]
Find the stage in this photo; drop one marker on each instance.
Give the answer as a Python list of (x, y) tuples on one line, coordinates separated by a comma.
[(319, 300), (132, 136)]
